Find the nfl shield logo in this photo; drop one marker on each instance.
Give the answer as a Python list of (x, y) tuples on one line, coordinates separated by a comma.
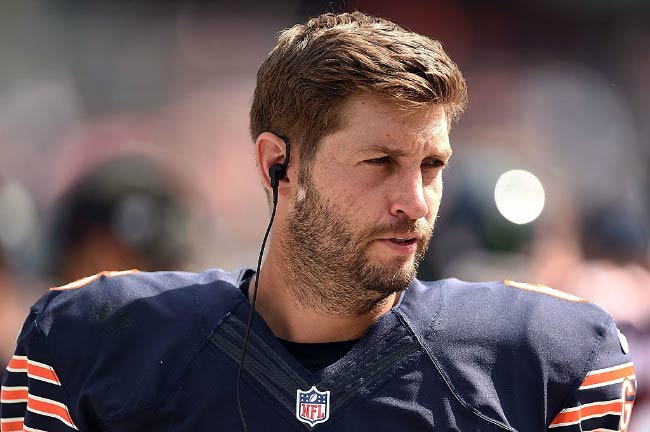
[(313, 406)]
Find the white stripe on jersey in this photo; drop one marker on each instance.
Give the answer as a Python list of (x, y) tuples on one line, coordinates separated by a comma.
[(28, 429), (609, 369)]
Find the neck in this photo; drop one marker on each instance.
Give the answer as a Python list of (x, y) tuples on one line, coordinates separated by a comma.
[(296, 321)]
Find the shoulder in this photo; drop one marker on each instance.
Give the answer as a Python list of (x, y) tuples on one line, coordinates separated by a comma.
[(504, 346), (114, 332), (534, 321), (510, 311), (117, 301)]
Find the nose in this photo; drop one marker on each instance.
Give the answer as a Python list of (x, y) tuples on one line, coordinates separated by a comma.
[(409, 196)]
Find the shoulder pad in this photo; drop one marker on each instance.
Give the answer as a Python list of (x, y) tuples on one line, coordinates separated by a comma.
[(504, 348), (122, 339)]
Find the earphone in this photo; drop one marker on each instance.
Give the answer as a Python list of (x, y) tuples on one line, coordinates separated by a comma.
[(276, 173)]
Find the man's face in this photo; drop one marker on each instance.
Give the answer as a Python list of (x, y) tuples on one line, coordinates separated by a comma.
[(364, 212)]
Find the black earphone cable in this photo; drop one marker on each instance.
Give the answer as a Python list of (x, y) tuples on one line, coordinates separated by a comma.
[(250, 316), (276, 173)]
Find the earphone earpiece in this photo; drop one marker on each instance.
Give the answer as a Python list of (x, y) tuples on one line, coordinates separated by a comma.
[(277, 173)]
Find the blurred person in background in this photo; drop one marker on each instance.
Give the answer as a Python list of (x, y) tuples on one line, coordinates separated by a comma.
[(614, 270), (345, 334), (16, 224), (124, 214), (615, 263)]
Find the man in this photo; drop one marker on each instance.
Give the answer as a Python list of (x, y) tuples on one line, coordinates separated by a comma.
[(346, 338)]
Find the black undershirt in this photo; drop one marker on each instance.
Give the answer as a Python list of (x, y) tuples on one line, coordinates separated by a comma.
[(313, 356)]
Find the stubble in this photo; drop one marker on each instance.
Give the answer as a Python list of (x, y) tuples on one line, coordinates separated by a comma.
[(329, 269)]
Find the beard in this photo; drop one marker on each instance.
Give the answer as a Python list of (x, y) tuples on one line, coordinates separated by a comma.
[(329, 269)]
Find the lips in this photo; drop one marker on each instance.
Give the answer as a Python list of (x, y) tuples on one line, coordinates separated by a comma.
[(401, 245), (403, 239)]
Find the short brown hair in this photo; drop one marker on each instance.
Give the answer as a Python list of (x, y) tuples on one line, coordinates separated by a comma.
[(308, 76)]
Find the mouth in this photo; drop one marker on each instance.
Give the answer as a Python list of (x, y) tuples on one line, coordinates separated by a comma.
[(401, 245), (403, 240)]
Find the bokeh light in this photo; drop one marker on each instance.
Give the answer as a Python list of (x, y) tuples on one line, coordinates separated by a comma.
[(519, 196)]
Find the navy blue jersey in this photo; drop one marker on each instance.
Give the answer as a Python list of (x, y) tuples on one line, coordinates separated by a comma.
[(130, 351)]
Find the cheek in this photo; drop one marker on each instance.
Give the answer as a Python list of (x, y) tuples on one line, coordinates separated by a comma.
[(434, 196), (359, 207), (349, 190)]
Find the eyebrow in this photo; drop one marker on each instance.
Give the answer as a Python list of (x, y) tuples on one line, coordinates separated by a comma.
[(397, 152)]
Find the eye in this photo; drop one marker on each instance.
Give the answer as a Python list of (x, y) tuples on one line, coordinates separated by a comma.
[(378, 161), (434, 163)]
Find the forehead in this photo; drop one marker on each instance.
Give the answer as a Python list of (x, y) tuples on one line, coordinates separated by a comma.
[(369, 121)]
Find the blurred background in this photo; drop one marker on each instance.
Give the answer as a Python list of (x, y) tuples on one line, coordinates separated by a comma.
[(124, 143)]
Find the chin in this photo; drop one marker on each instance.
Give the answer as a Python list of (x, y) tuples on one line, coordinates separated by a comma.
[(398, 263), (396, 275)]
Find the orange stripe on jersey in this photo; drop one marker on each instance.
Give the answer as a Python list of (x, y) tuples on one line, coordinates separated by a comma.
[(12, 424), (50, 408), (42, 372), (13, 394), (541, 289), (608, 375), (87, 280), (17, 364), (597, 409), (34, 369)]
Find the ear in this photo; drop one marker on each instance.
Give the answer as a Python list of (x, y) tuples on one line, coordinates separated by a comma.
[(270, 149)]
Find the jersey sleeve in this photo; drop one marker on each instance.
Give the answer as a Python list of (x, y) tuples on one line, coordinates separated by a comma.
[(32, 397), (603, 401)]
